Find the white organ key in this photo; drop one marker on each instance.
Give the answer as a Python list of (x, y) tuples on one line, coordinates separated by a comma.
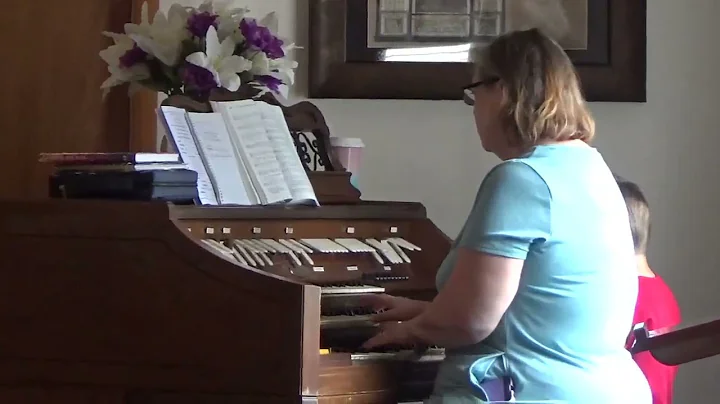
[(218, 249), (256, 245), (354, 245), (297, 250), (258, 249), (269, 246), (218, 245), (245, 253), (307, 257), (377, 257), (250, 250), (211, 245), (240, 258), (301, 245), (378, 250), (294, 257), (401, 242), (324, 245), (396, 259), (399, 251), (386, 250), (288, 245), (274, 245)]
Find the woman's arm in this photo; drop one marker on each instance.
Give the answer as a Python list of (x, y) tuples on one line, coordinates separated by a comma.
[(511, 214), (471, 303)]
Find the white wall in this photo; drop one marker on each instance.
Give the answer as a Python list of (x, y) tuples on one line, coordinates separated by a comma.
[(428, 151)]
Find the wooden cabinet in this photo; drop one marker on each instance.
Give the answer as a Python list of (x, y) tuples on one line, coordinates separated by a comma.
[(50, 99)]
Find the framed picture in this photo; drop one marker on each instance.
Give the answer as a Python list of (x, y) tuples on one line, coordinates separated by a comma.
[(418, 49)]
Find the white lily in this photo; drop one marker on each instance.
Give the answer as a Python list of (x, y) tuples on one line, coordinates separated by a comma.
[(221, 7), (228, 17), (164, 36), (218, 59), (282, 69), (118, 73)]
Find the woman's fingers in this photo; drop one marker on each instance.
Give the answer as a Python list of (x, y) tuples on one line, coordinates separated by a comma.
[(379, 339), (377, 301), (389, 315)]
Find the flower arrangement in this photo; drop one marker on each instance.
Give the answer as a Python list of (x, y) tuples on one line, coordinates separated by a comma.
[(191, 51)]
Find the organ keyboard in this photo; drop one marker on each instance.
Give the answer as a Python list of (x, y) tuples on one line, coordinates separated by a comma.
[(154, 303)]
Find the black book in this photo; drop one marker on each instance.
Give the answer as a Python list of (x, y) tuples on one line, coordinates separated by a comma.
[(178, 186)]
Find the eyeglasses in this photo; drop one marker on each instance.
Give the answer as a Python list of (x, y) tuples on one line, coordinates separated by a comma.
[(469, 94)]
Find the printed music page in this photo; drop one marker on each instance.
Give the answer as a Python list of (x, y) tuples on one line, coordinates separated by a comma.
[(245, 124), (232, 181), (177, 127), (293, 170)]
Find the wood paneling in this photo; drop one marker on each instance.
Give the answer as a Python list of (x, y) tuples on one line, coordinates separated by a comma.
[(50, 98)]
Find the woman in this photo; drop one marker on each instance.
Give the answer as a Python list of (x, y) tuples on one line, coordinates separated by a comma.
[(539, 288)]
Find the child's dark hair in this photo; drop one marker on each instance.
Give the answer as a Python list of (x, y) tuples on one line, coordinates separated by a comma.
[(638, 211)]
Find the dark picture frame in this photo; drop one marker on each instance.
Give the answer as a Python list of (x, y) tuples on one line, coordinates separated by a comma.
[(612, 68)]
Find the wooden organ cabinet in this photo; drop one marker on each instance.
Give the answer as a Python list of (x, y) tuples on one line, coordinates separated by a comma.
[(140, 303), (149, 303)]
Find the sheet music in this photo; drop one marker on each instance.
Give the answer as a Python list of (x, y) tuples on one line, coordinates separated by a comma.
[(178, 128), (245, 122), (292, 168), (231, 180)]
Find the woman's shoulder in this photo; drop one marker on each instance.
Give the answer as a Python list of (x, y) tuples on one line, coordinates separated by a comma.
[(516, 176), (517, 170)]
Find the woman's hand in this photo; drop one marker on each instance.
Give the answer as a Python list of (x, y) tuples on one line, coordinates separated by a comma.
[(393, 308), (391, 333)]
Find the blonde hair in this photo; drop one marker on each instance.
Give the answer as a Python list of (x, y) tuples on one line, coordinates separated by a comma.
[(543, 101)]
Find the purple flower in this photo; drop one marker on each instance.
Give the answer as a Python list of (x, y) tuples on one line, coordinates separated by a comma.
[(271, 82), (260, 38), (197, 80), (198, 24), (133, 57)]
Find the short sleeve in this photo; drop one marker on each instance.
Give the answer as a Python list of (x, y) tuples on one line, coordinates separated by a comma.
[(511, 212)]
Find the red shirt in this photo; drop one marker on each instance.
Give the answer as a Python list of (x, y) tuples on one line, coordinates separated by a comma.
[(657, 308)]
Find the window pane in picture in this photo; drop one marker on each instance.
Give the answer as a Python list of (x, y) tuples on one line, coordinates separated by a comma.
[(441, 26), (394, 5), (442, 6), (393, 24), (488, 25), (488, 6)]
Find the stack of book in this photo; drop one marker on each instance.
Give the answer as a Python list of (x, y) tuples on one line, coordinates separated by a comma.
[(123, 176)]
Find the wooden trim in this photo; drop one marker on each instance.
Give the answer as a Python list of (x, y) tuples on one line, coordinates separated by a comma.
[(310, 352), (143, 121)]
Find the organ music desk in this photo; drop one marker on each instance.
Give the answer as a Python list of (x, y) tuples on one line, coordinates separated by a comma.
[(112, 302)]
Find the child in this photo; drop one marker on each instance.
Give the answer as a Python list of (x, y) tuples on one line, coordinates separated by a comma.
[(656, 306)]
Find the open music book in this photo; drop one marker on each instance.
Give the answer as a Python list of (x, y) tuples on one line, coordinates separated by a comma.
[(243, 153)]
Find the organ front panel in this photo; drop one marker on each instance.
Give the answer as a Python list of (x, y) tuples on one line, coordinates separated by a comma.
[(182, 304), (348, 252)]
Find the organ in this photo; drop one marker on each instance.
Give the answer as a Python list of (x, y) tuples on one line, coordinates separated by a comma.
[(152, 303), (155, 303)]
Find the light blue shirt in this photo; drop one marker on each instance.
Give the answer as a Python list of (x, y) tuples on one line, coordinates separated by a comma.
[(563, 337)]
